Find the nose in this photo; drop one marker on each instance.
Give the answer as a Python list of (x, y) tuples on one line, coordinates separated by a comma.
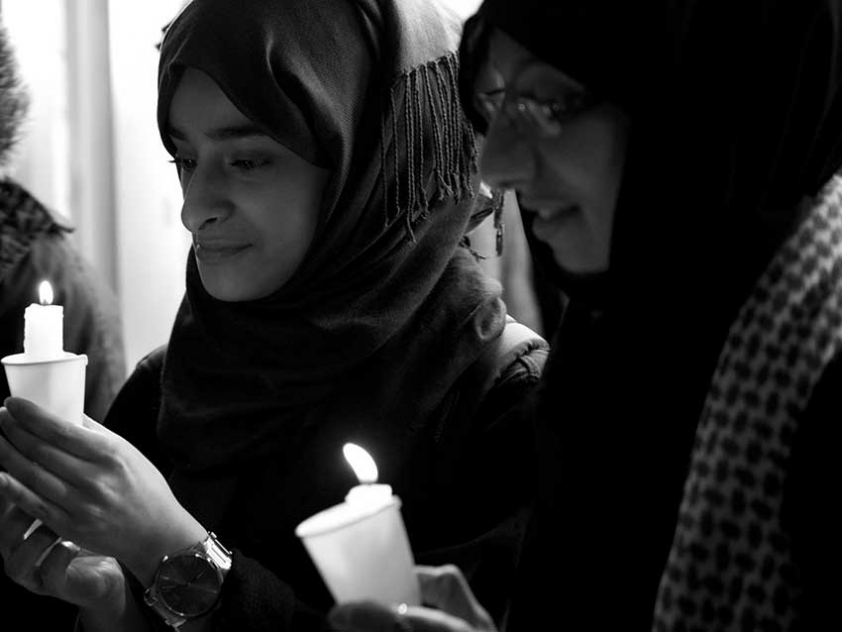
[(507, 159), (205, 198)]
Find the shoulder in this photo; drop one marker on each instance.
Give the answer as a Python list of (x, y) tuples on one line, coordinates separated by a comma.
[(141, 393), (523, 354), (505, 374), (517, 355), (152, 363)]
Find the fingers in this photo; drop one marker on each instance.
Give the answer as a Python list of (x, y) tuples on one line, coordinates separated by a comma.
[(420, 619), (364, 616), (367, 616), (23, 472), (14, 525), (53, 459), (53, 571), (95, 426), (22, 563), (447, 590), (30, 502), (69, 437)]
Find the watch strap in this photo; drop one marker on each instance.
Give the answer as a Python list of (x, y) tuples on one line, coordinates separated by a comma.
[(212, 550), (217, 553)]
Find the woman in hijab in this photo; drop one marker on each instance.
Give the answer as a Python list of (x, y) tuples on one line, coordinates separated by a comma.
[(328, 175), (675, 163)]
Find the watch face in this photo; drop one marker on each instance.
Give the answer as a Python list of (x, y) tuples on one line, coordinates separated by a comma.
[(188, 584)]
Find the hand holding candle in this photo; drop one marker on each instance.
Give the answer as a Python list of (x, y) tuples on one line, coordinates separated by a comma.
[(45, 373), (360, 546)]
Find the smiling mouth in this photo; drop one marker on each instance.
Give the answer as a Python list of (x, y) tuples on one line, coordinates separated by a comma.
[(217, 253), (557, 213)]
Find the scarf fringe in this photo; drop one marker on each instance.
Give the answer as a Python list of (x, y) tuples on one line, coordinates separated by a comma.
[(430, 108)]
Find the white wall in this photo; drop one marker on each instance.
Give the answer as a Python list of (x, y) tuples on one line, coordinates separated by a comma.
[(153, 244), (68, 147)]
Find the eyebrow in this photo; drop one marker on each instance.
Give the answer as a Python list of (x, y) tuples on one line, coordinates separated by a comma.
[(228, 132)]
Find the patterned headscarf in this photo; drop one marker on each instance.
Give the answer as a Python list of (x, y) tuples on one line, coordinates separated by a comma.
[(385, 302), (736, 117)]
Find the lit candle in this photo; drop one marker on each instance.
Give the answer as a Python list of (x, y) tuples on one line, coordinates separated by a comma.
[(368, 492), (360, 546), (43, 337), (45, 373)]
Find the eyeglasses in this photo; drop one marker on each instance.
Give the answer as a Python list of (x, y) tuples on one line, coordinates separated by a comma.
[(544, 118)]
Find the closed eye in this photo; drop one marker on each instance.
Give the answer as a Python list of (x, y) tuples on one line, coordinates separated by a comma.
[(249, 165), (184, 164)]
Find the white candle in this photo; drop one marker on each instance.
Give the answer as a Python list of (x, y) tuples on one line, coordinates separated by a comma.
[(43, 333), (367, 494), (360, 546)]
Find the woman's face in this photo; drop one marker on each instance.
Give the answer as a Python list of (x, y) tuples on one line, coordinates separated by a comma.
[(559, 148), (250, 203)]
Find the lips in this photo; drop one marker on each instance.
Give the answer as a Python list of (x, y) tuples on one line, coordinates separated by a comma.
[(552, 214), (545, 207), (217, 250)]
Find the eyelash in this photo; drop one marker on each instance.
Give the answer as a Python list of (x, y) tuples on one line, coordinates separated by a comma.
[(247, 165)]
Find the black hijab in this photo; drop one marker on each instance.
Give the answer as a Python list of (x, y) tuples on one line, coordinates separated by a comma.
[(385, 302), (735, 117)]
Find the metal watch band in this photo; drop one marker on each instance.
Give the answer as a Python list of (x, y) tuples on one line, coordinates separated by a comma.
[(217, 553), (213, 551)]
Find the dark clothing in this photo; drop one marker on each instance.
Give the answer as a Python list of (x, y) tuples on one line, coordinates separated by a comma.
[(36, 247), (585, 511), (374, 336), (463, 495), (384, 282), (712, 185)]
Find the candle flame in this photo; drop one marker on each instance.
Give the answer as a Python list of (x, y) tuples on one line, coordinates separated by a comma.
[(361, 462), (45, 293)]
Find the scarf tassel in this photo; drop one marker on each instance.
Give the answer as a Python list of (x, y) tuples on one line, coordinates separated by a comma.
[(430, 113)]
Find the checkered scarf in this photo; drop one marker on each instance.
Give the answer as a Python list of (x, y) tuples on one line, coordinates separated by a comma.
[(731, 565)]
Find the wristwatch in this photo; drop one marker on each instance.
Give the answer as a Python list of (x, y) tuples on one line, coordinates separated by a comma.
[(187, 584)]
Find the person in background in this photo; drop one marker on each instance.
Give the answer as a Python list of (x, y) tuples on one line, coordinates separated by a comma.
[(35, 246), (677, 167), (329, 178)]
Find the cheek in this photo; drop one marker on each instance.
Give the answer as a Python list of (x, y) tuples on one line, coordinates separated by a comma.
[(286, 229), (595, 174)]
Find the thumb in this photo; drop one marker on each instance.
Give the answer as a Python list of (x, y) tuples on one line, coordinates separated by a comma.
[(445, 588)]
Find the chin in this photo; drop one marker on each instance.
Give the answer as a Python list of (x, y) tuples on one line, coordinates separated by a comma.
[(575, 261), (229, 290)]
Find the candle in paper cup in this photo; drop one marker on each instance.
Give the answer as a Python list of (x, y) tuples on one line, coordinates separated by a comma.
[(43, 329), (360, 546), (45, 373)]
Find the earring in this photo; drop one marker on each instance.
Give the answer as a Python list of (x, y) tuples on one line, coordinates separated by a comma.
[(497, 199)]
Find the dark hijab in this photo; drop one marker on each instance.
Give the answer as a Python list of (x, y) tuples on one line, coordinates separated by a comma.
[(735, 117), (385, 309)]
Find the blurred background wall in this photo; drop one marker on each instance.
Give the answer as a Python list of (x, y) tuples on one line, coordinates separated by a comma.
[(91, 152)]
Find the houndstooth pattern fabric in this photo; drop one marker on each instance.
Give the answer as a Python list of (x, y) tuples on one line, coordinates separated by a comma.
[(22, 220), (730, 566)]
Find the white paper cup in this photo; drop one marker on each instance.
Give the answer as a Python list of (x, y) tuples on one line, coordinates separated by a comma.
[(362, 553), (57, 385)]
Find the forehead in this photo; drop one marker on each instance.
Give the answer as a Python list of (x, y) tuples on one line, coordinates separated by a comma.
[(198, 98), (510, 62)]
